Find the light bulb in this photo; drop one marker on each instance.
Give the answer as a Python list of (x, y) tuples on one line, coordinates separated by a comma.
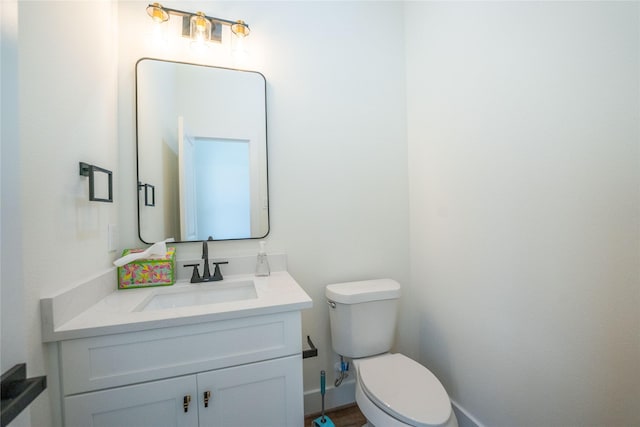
[(239, 49), (159, 37), (200, 28)]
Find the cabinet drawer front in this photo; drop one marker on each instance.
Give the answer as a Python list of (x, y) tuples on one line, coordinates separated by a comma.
[(114, 360)]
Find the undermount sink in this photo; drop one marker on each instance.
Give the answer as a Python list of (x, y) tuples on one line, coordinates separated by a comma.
[(201, 294)]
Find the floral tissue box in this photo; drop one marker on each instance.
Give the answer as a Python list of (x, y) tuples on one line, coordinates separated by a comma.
[(142, 273)]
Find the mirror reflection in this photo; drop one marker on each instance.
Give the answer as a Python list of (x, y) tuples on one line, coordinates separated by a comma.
[(202, 147)]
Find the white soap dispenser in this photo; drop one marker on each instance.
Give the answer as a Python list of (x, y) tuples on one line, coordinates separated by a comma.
[(262, 263)]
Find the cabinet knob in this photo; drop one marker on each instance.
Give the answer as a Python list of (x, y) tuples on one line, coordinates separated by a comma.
[(185, 402), (207, 396)]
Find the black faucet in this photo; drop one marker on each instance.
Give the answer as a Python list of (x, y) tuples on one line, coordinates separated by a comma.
[(206, 274)]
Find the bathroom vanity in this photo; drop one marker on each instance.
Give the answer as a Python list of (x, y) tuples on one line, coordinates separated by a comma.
[(218, 354)]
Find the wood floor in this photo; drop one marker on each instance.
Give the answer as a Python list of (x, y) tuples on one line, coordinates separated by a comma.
[(347, 416)]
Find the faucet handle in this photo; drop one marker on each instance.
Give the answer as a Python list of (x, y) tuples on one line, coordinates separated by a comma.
[(195, 275), (217, 275)]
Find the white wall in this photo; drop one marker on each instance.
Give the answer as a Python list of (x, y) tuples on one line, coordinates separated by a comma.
[(336, 135), (13, 348), (67, 114), (524, 170)]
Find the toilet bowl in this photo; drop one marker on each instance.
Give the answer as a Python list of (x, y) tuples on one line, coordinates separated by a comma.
[(391, 389), (394, 390)]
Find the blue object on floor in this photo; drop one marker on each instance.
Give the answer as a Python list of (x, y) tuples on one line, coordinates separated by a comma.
[(322, 420)]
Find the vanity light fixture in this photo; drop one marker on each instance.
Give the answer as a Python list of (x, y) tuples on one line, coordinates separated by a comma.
[(198, 26)]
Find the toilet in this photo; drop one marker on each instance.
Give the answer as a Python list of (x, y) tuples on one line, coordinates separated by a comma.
[(391, 389)]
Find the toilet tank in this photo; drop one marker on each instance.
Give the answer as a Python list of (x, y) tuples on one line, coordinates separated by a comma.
[(363, 316)]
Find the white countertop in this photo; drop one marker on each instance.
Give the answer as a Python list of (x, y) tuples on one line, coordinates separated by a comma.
[(116, 312)]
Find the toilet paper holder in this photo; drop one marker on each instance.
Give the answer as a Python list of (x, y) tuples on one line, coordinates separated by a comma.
[(312, 352)]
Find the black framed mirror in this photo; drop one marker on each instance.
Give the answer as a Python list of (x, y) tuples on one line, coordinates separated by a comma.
[(202, 145)]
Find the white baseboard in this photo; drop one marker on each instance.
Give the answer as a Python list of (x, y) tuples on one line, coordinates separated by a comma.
[(465, 419), (334, 397)]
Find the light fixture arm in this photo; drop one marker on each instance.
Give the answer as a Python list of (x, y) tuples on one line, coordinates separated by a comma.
[(183, 13)]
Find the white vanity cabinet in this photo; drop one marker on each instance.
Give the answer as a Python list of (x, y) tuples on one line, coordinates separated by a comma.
[(249, 368)]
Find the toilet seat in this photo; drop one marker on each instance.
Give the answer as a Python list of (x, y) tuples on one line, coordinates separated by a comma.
[(404, 389)]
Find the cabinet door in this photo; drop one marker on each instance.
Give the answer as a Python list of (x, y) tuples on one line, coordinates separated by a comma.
[(266, 394), (153, 404)]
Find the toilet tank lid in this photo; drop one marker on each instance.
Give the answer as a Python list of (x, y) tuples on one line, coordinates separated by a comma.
[(363, 291)]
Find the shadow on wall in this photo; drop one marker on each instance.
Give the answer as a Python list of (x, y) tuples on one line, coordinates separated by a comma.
[(435, 347)]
